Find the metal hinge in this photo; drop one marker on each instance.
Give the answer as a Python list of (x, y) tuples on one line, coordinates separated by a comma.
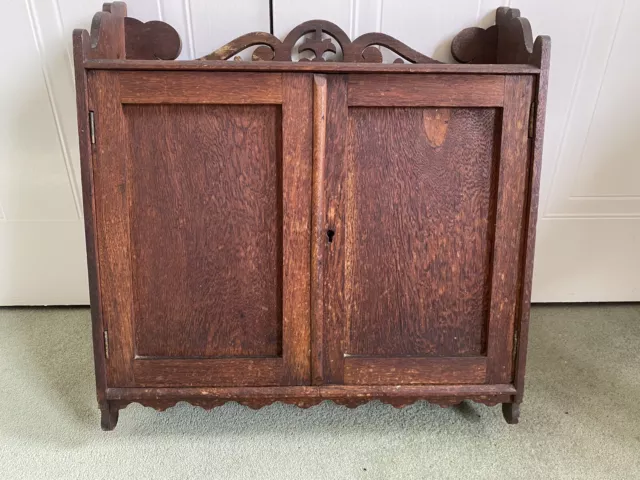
[(106, 344), (92, 127), (532, 120)]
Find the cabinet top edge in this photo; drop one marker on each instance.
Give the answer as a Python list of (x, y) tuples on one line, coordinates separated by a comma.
[(309, 67)]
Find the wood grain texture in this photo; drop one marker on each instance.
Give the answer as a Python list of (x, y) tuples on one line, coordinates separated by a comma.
[(221, 372), (509, 41), (116, 36), (206, 232), (112, 225), (151, 40), (476, 45), (297, 159), (307, 396), (507, 255), (107, 32), (255, 403), (542, 56), (319, 37), (335, 220), (416, 370), (184, 87), (419, 211), (324, 391), (80, 50), (319, 234), (311, 67), (213, 187), (388, 90)]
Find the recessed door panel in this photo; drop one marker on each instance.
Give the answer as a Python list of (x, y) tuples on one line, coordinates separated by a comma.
[(206, 232), (419, 235)]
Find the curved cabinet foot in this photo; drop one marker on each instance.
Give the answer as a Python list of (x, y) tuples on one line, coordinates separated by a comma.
[(511, 412), (109, 418)]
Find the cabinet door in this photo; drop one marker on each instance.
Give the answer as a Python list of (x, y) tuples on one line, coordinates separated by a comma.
[(424, 205), (202, 197)]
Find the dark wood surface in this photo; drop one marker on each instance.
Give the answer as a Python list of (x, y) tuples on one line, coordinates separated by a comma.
[(297, 128), (307, 396), (389, 90), (389, 370), (111, 195), (80, 47), (325, 391), (542, 58), (319, 234), (259, 233), (319, 37), (509, 229), (509, 41), (223, 372), (335, 220), (316, 67), (150, 40), (212, 202), (418, 235), (215, 88), (204, 242)]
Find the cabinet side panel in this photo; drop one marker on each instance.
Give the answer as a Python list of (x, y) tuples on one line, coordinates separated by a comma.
[(419, 238), (86, 166), (206, 223)]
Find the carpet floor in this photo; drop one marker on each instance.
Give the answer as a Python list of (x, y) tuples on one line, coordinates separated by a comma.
[(580, 418)]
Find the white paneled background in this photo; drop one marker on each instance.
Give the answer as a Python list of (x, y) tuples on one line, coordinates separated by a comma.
[(589, 223)]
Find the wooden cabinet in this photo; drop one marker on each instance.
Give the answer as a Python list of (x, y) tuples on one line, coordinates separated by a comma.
[(299, 231)]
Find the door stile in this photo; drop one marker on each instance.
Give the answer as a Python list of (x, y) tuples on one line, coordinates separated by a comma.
[(297, 130), (508, 239), (335, 220), (112, 232), (319, 235)]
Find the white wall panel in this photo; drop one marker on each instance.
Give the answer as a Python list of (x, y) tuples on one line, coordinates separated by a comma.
[(34, 180), (589, 217), (608, 163), (430, 25), (287, 14), (175, 14), (215, 23), (590, 188), (42, 255)]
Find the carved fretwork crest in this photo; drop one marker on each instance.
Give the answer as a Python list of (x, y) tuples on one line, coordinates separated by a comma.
[(116, 36), (362, 49)]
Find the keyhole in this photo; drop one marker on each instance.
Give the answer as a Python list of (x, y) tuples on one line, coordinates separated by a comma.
[(330, 234)]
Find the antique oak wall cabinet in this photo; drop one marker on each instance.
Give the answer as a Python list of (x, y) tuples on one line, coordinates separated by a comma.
[(296, 231)]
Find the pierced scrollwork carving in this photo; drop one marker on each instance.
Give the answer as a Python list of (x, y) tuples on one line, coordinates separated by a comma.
[(362, 49), (118, 37)]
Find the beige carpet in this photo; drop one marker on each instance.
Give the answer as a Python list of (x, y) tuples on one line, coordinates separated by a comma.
[(580, 419)]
